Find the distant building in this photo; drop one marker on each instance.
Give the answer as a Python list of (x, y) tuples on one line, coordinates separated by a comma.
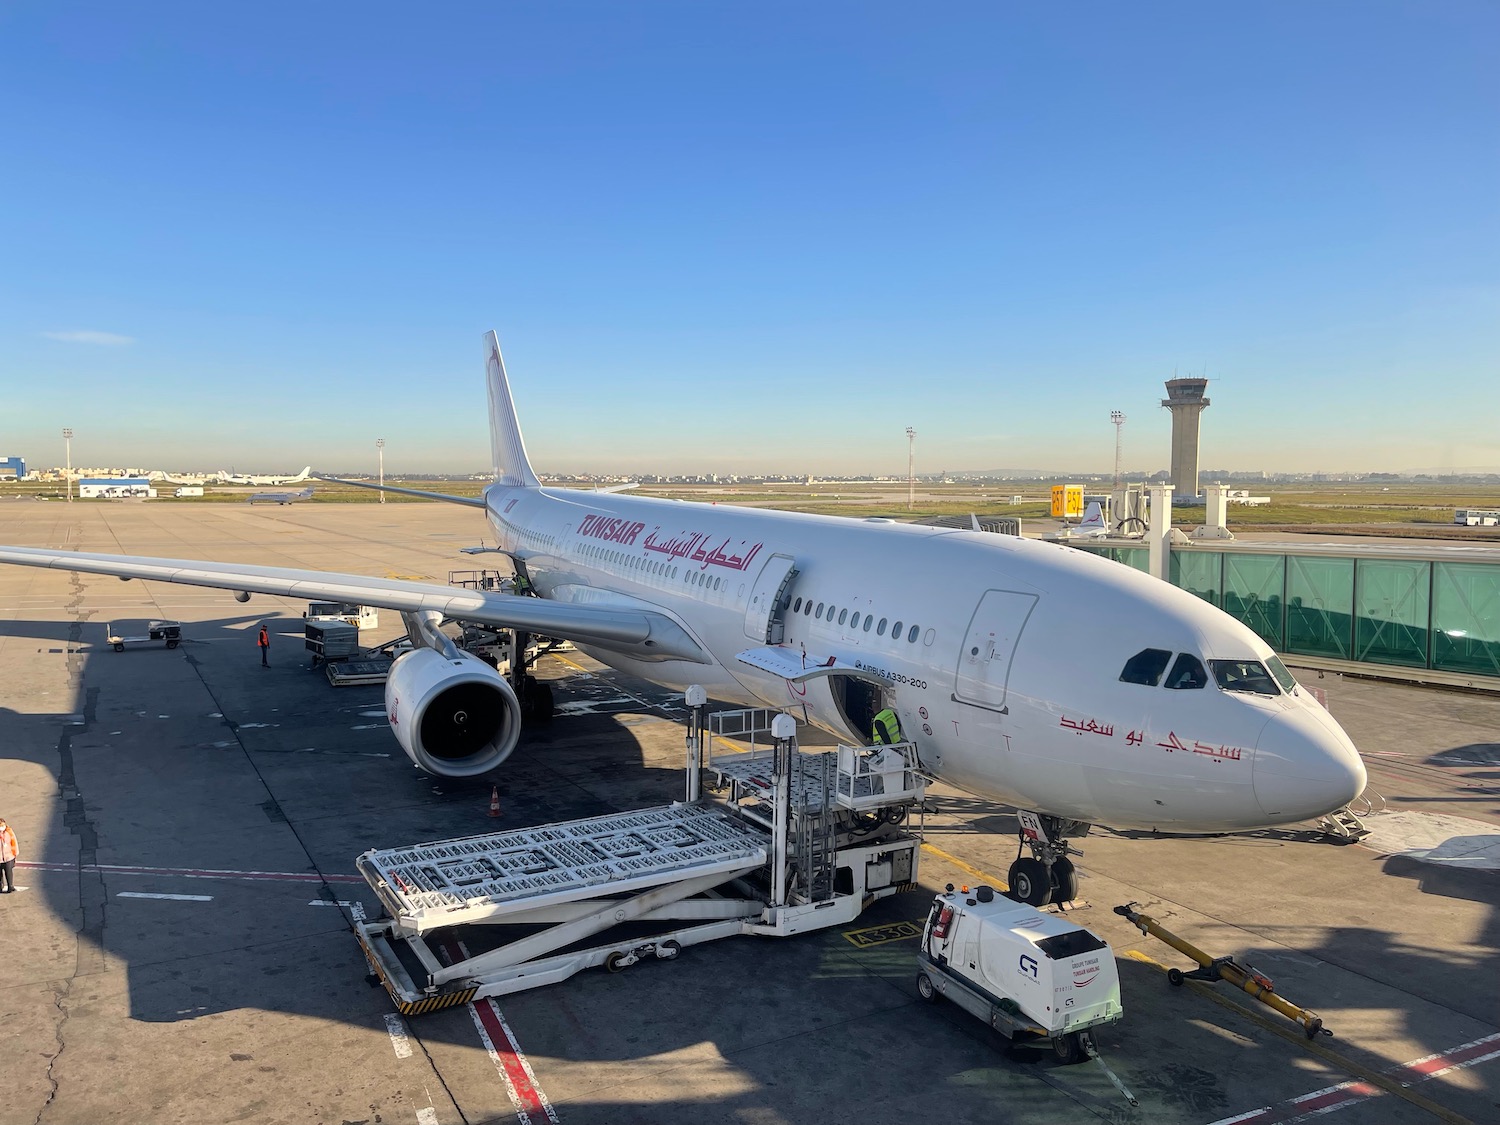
[(114, 488), (12, 468)]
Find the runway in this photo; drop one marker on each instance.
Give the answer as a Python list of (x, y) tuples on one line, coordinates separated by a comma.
[(189, 821)]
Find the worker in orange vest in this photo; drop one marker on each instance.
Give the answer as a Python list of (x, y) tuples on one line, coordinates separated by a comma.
[(264, 641), (8, 853)]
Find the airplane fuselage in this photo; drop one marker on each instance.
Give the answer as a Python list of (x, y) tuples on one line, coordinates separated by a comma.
[(1003, 657)]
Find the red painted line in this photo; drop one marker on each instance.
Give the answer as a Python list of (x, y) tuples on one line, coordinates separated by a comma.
[(1332, 1098), (194, 872), (500, 1043)]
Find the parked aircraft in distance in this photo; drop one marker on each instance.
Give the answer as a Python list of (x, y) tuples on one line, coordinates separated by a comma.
[(232, 478), (281, 497), (1078, 690)]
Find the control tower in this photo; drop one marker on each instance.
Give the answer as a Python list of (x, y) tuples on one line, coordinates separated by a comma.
[(1186, 402)]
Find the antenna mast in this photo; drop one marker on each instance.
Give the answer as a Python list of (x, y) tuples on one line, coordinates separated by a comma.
[(1119, 420)]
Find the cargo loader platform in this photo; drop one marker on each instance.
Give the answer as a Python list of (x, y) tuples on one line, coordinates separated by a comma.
[(613, 890)]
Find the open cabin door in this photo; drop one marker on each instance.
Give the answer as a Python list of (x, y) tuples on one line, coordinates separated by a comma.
[(763, 612), (989, 646)]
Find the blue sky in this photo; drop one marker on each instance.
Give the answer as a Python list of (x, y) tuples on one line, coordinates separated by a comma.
[(745, 237)]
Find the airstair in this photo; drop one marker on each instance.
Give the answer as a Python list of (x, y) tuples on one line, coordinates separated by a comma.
[(787, 842)]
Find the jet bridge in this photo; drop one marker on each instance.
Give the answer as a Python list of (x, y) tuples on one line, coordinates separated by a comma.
[(785, 842)]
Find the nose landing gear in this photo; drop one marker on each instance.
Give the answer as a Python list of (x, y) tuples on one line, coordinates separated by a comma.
[(1047, 875)]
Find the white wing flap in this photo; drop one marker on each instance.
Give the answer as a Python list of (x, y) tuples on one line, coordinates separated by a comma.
[(640, 632), (798, 666)]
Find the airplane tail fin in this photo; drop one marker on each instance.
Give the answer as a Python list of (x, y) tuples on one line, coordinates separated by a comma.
[(1093, 519), (511, 464), (304, 474)]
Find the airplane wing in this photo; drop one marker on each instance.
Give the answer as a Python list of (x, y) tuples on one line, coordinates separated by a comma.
[(643, 633), (471, 501), (799, 667)]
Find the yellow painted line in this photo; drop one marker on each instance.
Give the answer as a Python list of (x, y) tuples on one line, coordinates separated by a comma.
[(879, 935), (1333, 1058), (982, 876)]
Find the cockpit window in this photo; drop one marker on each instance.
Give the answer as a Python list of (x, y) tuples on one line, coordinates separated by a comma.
[(1146, 667), (1283, 677), (1187, 673), (1244, 675)]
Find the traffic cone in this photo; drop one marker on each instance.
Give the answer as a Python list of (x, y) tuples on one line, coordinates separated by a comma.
[(495, 800)]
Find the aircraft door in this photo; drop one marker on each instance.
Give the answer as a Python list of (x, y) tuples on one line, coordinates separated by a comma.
[(989, 646), (763, 620)]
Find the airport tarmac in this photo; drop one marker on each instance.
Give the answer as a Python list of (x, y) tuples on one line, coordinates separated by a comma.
[(188, 824)]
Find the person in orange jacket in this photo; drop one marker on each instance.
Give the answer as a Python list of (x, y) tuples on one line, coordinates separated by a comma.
[(8, 853), (264, 641)]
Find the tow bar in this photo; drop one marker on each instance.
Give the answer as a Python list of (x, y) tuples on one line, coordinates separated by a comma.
[(1215, 969)]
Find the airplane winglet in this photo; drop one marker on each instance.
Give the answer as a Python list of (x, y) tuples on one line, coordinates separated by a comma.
[(512, 466)]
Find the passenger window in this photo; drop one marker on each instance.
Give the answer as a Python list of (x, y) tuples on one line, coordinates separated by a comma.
[(843, 613), (869, 619), (1243, 675), (853, 621), (896, 631), (819, 614), (1187, 673), (797, 606), (880, 629), (1146, 667), (912, 634), (807, 609)]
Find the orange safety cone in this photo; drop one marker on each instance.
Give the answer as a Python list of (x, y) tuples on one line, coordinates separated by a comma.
[(495, 800)]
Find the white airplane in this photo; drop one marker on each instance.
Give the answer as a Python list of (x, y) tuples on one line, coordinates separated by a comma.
[(231, 478), (280, 497), (1076, 689), (1092, 526)]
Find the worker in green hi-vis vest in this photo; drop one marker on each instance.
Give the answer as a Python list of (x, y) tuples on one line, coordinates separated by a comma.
[(887, 728)]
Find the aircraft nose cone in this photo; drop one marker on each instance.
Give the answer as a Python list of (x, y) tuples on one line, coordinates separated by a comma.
[(1305, 766)]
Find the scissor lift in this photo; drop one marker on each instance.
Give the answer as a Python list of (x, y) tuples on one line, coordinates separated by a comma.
[(792, 843)]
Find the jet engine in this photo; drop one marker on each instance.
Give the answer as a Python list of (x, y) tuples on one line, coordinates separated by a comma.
[(453, 717)]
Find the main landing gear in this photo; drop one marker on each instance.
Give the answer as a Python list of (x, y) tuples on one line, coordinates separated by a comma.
[(1047, 875), (534, 696)]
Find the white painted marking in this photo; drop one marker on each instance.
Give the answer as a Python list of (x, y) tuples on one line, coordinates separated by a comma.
[(371, 726), (399, 1042), (427, 1116), (113, 732), (164, 716), (591, 706), (216, 714), (257, 726), (173, 898), (357, 909), (372, 714), (1452, 841)]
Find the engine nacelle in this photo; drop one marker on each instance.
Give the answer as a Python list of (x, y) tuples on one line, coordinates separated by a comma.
[(454, 718)]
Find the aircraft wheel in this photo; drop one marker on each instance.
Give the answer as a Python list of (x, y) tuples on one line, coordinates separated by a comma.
[(542, 703), (616, 962), (1029, 882), (119, 648), (1064, 881), (1175, 978), (925, 987)]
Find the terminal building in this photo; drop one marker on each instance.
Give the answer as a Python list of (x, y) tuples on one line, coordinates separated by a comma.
[(12, 468)]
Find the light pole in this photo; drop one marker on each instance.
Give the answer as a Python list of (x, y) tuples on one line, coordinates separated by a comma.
[(911, 481), (68, 444), (1119, 420), (380, 449)]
